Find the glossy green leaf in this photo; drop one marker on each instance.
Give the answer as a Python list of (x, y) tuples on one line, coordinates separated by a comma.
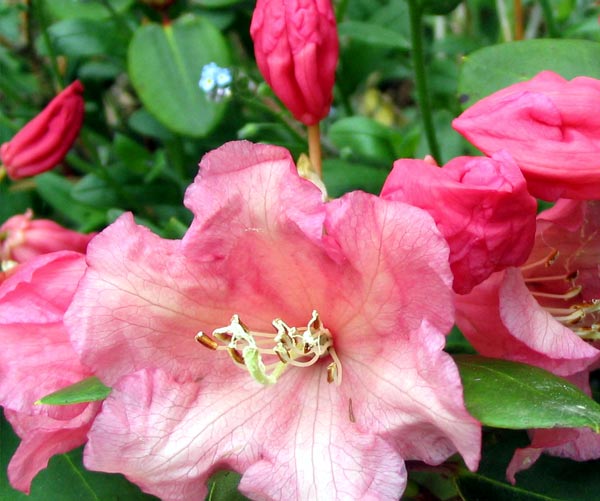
[(512, 395), (492, 68), (90, 389), (165, 63), (65, 478)]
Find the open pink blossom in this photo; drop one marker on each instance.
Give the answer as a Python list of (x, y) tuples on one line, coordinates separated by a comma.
[(37, 359), (543, 312), (22, 238), (346, 285), (481, 206), (551, 128)]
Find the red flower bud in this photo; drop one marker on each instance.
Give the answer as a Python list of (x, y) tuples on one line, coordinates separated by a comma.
[(23, 238), (43, 142), (296, 48)]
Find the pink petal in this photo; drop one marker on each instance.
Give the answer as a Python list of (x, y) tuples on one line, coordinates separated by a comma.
[(38, 359), (480, 205), (502, 320), (291, 432)]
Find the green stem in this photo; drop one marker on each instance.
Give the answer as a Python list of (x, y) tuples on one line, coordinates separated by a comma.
[(255, 103), (38, 6), (117, 18), (416, 34), (549, 18)]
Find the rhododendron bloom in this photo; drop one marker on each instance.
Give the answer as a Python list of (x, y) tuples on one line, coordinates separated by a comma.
[(550, 126), (481, 206), (296, 48), (38, 359), (547, 313), (22, 238), (44, 141), (319, 367)]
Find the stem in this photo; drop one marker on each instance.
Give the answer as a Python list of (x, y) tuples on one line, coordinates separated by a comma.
[(518, 20), (253, 102), (314, 148), (416, 35), (549, 18), (41, 16), (504, 20)]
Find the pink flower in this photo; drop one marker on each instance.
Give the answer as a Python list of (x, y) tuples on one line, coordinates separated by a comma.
[(544, 312), (43, 142), (296, 48), (351, 380), (551, 128), (38, 359), (481, 206), (22, 238)]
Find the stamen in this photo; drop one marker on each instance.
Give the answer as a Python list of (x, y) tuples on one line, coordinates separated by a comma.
[(546, 261), (568, 277), (570, 294), (204, 340), (290, 346)]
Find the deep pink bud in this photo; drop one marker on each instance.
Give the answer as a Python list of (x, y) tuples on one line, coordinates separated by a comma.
[(480, 205), (296, 48), (44, 141), (22, 238), (550, 126)]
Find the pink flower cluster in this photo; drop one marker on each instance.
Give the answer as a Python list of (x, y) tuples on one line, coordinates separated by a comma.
[(300, 342)]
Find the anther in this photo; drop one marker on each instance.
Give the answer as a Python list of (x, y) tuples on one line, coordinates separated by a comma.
[(205, 340)]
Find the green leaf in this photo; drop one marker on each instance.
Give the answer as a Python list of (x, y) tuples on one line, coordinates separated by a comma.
[(364, 138), (373, 34), (90, 389), (341, 177), (512, 395), (492, 68), (65, 478), (57, 191), (223, 486), (64, 9), (87, 37), (165, 63)]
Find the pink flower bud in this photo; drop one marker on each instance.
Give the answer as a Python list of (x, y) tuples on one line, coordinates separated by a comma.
[(43, 142), (550, 126), (22, 238), (296, 48), (480, 205)]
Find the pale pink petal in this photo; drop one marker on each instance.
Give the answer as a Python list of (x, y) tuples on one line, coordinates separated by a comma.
[(168, 437), (409, 392)]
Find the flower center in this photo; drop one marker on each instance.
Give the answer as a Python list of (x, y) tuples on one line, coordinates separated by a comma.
[(560, 296), (289, 346)]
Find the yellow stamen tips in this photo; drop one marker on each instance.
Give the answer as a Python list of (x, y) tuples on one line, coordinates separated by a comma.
[(289, 346)]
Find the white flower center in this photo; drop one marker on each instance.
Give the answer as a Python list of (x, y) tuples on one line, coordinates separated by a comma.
[(289, 346)]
